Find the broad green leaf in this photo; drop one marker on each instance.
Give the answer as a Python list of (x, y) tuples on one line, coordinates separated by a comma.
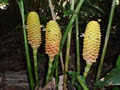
[(69, 12), (76, 75), (78, 86), (74, 79), (118, 62), (112, 78), (5, 2), (98, 8), (79, 78), (95, 6), (116, 88)]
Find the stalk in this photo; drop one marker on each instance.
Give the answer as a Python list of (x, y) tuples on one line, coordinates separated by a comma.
[(54, 18), (30, 75), (67, 60), (67, 52), (106, 40), (77, 45), (61, 60), (48, 78), (52, 11), (56, 74), (80, 3), (82, 83), (87, 68), (35, 66)]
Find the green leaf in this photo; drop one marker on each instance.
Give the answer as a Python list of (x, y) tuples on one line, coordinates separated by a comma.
[(112, 78), (78, 86), (79, 78), (74, 79), (73, 74), (5, 2), (118, 62), (98, 8), (116, 88), (68, 12)]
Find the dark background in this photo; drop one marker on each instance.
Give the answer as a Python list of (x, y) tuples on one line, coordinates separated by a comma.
[(12, 52)]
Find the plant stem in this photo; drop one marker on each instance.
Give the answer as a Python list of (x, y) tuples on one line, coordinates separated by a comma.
[(70, 23), (21, 6), (52, 10), (35, 67), (87, 68), (54, 18), (61, 60), (56, 75), (106, 40), (67, 60), (48, 78), (77, 46), (82, 83), (67, 52), (80, 3)]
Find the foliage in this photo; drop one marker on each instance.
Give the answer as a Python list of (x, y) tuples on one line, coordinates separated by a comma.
[(30, 75), (91, 10), (112, 78), (79, 78), (5, 2), (118, 62)]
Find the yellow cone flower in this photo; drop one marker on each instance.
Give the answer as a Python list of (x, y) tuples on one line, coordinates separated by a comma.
[(53, 38), (33, 30), (92, 40)]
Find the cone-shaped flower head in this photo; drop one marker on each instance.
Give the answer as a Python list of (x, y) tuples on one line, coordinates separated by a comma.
[(92, 40), (33, 30), (53, 37)]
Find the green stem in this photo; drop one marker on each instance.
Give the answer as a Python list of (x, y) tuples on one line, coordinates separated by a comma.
[(84, 86), (67, 52), (61, 60), (106, 39), (67, 30), (28, 62), (56, 75), (35, 66), (67, 60), (21, 6), (70, 23), (48, 78), (77, 46), (87, 68), (54, 18)]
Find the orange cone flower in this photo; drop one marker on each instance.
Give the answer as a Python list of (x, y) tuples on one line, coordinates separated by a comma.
[(53, 38), (33, 30), (92, 41)]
